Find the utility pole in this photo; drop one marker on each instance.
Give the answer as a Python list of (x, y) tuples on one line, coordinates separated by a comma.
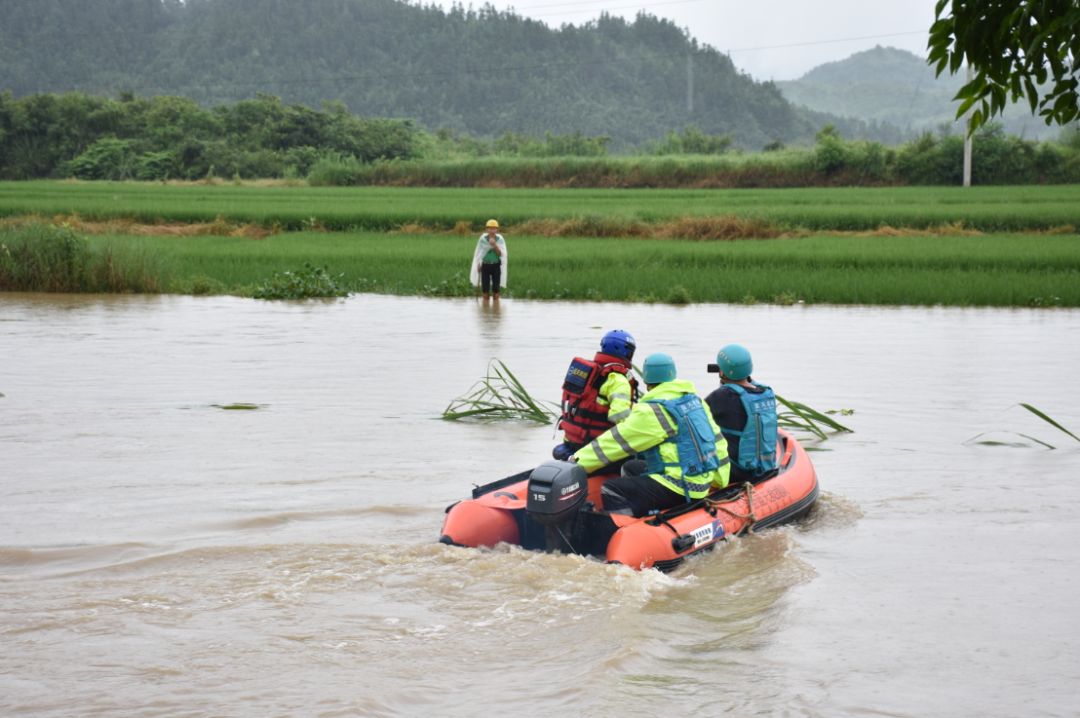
[(967, 141), (689, 84)]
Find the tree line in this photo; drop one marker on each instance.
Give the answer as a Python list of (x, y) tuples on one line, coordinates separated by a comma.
[(166, 138)]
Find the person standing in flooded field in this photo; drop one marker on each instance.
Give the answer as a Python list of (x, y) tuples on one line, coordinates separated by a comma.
[(488, 269)]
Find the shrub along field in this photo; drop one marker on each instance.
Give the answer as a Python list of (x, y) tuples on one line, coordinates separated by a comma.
[(594, 212)]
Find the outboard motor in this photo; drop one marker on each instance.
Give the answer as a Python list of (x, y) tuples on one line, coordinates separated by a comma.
[(557, 491)]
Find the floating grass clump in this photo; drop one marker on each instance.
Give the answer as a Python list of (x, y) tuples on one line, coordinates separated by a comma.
[(307, 283), (499, 396), (800, 417), (238, 406)]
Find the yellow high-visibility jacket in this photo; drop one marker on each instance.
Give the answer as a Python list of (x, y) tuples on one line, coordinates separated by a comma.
[(615, 392), (650, 425)]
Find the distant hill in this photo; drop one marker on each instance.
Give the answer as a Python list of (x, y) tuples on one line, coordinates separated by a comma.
[(482, 72), (898, 87)]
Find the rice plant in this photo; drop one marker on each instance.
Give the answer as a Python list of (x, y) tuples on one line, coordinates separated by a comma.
[(1048, 420), (499, 396), (800, 417), (1042, 415), (996, 209)]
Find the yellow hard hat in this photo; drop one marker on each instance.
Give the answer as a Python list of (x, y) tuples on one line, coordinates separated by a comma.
[(491, 223)]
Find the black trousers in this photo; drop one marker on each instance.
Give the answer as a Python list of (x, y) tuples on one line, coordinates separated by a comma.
[(638, 493), (490, 277)]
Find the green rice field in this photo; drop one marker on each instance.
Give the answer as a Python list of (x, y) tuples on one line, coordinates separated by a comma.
[(994, 270), (990, 209), (992, 246)]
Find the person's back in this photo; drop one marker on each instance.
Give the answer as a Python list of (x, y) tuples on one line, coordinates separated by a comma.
[(597, 393), (746, 413), (675, 437)]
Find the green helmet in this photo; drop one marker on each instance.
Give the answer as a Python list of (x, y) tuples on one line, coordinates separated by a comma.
[(658, 368), (734, 361)]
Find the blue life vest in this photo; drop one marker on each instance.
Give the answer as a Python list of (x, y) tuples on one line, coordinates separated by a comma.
[(757, 440), (695, 442)]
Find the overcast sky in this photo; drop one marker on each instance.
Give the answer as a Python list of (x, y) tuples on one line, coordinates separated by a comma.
[(770, 39)]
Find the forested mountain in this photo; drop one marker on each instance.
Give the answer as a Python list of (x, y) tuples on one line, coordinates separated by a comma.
[(897, 87), (482, 72)]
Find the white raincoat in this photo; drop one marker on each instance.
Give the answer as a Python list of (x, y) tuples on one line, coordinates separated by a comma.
[(482, 247)]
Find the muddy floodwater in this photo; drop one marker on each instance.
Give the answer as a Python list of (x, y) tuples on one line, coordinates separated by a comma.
[(161, 555)]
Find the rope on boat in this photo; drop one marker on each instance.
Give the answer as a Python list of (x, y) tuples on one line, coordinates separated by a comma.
[(749, 517), (563, 536)]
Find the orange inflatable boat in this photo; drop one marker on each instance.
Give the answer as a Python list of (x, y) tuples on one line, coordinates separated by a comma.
[(554, 507)]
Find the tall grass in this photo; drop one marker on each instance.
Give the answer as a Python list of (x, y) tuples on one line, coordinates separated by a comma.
[(611, 212), (47, 258)]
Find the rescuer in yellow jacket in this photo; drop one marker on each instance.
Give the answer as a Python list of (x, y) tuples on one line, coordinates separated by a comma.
[(598, 393), (673, 434)]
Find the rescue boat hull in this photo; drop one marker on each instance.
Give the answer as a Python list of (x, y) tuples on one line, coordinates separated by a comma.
[(497, 513)]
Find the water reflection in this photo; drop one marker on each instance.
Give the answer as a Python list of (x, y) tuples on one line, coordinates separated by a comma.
[(489, 318), (185, 545)]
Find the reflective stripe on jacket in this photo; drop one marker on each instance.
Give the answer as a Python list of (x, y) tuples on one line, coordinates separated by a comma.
[(650, 425)]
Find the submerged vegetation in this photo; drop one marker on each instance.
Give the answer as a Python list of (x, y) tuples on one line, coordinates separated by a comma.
[(982, 440), (1048, 420)]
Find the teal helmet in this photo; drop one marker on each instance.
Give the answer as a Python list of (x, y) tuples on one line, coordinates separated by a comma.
[(734, 361), (658, 368)]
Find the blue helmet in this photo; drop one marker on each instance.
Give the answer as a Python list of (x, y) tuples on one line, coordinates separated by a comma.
[(734, 361), (618, 343), (658, 368)]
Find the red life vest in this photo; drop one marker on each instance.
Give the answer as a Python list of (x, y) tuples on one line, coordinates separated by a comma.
[(583, 417)]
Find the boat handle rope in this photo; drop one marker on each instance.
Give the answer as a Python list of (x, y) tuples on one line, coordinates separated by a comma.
[(748, 527)]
